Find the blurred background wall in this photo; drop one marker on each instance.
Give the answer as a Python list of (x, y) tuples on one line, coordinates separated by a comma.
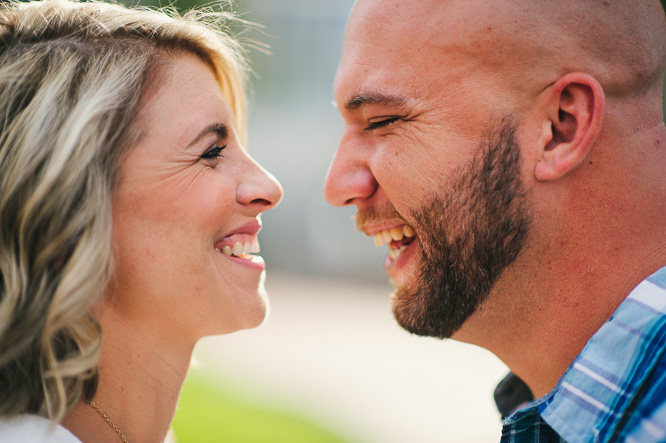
[(294, 130)]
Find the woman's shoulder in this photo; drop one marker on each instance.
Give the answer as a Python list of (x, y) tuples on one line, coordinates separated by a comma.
[(32, 428)]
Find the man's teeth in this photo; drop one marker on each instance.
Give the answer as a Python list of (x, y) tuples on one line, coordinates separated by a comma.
[(395, 253), (238, 248), (397, 234)]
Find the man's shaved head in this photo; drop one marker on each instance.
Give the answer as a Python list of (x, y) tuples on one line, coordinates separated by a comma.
[(622, 43)]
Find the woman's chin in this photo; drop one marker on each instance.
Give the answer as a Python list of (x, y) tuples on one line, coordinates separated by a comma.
[(259, 314), (249, 316)]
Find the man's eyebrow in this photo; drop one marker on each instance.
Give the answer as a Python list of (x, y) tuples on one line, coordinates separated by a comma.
[(373, 98), (220, 129)]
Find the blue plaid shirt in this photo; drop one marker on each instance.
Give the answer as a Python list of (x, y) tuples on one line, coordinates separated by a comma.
[(615, 390)]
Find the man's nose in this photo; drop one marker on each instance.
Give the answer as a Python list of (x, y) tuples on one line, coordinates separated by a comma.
[(349, 179)]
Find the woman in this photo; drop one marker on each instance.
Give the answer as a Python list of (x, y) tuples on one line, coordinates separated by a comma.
[(129, 213)]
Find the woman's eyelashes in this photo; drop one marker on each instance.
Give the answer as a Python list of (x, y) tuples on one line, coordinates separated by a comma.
[(213, 152)]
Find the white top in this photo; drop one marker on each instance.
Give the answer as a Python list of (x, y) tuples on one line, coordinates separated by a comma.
[(34, 429)]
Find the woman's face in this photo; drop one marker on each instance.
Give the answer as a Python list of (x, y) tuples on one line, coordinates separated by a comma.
[(186, 213)]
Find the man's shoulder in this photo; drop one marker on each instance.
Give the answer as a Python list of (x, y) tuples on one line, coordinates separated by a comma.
[(617, 385)]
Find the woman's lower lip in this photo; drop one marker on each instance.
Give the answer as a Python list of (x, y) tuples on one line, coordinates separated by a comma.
[(254, 262)]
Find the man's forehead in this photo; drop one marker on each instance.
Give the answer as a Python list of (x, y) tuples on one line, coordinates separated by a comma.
[(390, 45), (457, 38), (411, 32), (424, 17), (369, 79), (387, 19)]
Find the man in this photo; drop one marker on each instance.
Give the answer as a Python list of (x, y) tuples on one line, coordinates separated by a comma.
[(512, 155)]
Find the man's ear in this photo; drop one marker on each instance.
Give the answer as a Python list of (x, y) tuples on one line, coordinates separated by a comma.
[(575, 109)]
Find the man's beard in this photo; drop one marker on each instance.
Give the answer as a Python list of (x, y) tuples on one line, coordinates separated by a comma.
[(468, 236)]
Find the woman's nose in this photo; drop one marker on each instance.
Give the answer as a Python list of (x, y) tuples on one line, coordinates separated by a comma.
[(259, 188)]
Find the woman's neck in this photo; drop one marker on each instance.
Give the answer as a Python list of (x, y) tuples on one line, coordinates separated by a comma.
[(140, 378)]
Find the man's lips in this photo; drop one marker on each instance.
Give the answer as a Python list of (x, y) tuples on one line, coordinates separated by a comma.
[(395, 233), (396, 237), (400, 265), (402, 248)]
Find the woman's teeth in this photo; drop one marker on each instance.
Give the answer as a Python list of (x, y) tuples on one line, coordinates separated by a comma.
[(238, 248), (388, 235)]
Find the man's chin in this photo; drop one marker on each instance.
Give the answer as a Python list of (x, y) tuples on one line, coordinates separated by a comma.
[(410, 312)]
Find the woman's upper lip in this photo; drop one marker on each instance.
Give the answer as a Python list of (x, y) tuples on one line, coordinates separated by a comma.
[(251, 228)]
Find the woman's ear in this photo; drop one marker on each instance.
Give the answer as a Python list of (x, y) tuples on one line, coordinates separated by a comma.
[(575, 107)]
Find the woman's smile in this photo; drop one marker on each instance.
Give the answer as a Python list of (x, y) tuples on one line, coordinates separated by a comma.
[(241, 245)]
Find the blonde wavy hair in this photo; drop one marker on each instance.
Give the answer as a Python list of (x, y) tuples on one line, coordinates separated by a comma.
[(71, 79)]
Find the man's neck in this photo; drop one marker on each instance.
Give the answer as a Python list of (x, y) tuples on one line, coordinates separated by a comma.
[(578, 267), (539, 336)]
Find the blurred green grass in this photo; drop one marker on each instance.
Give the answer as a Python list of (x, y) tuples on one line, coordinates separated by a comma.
[(207, 413)]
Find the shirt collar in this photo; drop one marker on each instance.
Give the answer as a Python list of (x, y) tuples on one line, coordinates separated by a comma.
[(592, 395)]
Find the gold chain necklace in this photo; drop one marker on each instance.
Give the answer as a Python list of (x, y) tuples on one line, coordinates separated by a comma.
[(108, 420)]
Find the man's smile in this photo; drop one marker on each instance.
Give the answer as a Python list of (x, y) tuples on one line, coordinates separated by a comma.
[(397, 239)]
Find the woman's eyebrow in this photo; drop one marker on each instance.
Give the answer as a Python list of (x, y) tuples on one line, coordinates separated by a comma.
[(218, 128)]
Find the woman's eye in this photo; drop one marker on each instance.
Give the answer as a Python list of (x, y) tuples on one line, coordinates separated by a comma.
[(214, 152), (381, 123)]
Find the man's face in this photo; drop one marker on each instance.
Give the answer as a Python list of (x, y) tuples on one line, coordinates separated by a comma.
[(420, 158)]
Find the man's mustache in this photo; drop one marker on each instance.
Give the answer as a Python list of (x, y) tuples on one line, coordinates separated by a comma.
[(376, 214)]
